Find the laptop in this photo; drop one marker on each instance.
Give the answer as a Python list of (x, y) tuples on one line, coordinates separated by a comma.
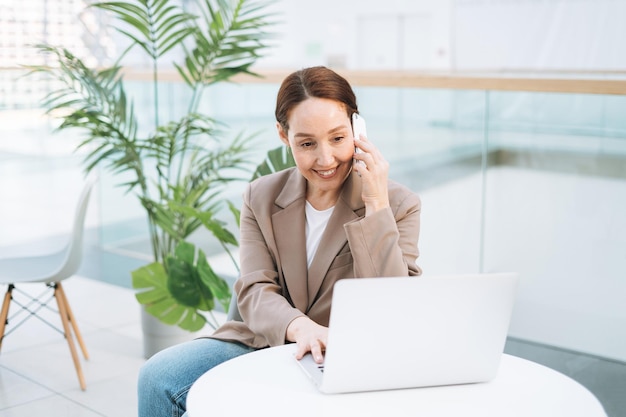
[(408, 332)]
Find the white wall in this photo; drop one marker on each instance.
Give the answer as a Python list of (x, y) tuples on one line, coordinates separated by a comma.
[(364, 33), (564, 234), (540, 34), (452, 34)]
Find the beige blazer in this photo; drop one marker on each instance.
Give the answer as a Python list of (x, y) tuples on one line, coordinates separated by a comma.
[(276, 286)]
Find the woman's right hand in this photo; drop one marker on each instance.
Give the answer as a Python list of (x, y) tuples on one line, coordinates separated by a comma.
[(309, 337), (374, 175)]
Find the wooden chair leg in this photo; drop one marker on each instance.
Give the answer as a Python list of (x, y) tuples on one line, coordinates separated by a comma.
[(4, 313), (62, 302), (72, 320)]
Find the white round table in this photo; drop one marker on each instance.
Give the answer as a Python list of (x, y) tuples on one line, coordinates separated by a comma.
[(269, 382)]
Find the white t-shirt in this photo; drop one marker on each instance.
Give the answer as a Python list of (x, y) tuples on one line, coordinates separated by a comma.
[(316, 222)]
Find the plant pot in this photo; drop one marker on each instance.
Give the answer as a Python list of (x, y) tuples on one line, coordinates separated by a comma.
[(158, 335)]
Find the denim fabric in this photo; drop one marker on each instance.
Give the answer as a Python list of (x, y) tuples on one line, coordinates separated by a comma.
[(166, 378)]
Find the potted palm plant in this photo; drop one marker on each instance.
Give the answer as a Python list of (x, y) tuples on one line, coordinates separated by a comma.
[(178, 168)]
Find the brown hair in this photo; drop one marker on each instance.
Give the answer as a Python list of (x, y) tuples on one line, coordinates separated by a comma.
[(319, 82)]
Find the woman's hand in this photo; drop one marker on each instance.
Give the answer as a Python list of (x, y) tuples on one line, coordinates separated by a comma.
[(373, 174), (309, 337)]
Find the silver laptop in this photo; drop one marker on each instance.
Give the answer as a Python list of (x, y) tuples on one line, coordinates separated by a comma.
[(407, 332)]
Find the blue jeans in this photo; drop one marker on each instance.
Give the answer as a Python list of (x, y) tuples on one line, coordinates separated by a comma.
[(166, 378)]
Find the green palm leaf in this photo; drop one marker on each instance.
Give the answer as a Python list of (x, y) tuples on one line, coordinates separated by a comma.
[(178, 289), (232, 41), (179, 169), (94, 101), (157, 25), (154, 293), (277, 159)]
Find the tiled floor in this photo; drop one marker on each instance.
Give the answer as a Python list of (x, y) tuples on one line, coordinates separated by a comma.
[(37, 376)]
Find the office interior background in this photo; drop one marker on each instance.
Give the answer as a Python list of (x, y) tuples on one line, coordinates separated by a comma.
[(530, 181)]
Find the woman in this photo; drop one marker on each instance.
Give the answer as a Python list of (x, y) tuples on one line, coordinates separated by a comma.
[(302, 229)]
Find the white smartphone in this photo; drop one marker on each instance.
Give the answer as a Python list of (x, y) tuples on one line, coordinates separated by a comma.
[(358, 128)]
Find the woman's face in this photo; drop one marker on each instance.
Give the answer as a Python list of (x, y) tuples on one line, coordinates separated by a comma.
[(320, 137)]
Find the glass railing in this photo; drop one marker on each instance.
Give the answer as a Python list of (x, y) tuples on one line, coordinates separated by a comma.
[(515, 174)]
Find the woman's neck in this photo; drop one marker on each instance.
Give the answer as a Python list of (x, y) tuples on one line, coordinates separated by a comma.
[(322, 200)]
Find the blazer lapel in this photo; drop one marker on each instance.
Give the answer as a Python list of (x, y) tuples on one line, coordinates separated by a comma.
[(289, 232), (349, 207)]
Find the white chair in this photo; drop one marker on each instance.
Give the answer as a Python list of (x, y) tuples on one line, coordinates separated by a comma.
[(48, 269)]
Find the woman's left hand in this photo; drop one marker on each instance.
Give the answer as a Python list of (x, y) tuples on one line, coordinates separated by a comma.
[(374, 173)]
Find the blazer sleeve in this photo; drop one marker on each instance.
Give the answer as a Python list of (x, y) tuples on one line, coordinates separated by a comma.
[(262, 304), (385, 243)]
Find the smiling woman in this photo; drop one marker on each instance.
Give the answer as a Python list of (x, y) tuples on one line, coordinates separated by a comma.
[(344, 220), (323, 147)]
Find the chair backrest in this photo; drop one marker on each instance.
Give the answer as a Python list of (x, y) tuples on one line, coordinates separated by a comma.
[(74, 251)]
